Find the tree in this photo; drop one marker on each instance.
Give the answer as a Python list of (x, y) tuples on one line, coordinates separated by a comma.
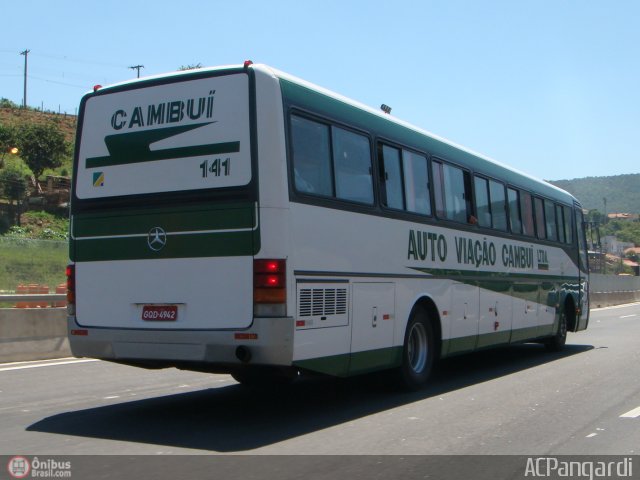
[(191, 66), (13, 186), (42, 146), (7, 141), (6, 103), (595, 216)]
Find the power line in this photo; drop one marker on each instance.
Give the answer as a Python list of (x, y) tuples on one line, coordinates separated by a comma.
[(59, 83), (77, 60), (69, 59)]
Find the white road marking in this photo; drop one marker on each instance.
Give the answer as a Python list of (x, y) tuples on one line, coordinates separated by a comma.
[(629, 316), (614, 307), (48, 364), (635, 413), (31, 362), (591, 435)]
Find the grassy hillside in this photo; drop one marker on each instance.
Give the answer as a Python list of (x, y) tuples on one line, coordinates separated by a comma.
[(12, 115), (621, 191), (16, 116)]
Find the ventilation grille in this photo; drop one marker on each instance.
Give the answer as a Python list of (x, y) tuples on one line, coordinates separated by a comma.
[(316, 302)]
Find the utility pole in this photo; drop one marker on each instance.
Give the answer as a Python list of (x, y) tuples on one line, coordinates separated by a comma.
[(24, 99), (137, 67)]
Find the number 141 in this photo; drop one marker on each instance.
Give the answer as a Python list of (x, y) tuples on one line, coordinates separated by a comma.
[(216, 167)]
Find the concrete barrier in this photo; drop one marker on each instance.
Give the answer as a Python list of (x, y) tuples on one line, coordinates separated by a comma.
[(609, 290), (33, 334)]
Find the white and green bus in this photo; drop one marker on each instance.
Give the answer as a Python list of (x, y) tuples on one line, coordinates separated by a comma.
[(238, 219)]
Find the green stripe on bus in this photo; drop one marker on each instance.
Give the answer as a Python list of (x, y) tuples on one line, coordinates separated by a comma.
[(348, 364), (190, 232), (134, 147), (177, 246), (494, 276), (455, 346), (183, 218), (517, 285), (354, 363)]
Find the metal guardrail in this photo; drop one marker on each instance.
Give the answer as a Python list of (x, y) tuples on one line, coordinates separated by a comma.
[(34, 297), (36, 301)]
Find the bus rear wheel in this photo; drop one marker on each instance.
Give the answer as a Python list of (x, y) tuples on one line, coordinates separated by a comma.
[(418, 351)]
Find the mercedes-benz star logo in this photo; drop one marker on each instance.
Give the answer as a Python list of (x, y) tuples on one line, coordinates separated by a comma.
[(156, 239)]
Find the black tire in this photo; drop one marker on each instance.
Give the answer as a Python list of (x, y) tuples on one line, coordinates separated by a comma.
[(557, 342), (418, 353)]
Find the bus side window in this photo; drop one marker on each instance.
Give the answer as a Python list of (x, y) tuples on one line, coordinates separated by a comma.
[(457, 193), (392, 178), (515, 220), (527, 214), (498, 205), (550, 220), (311, 157), (483, 211), (352, 164), (568, 230), (539, 212), (582, 240), (560, 218), (438, 188), (416, 183)]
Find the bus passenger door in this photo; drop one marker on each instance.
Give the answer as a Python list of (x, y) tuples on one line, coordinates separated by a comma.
[(464, 318), (373, 325)]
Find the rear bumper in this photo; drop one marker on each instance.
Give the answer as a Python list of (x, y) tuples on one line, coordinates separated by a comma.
[(269, 341)]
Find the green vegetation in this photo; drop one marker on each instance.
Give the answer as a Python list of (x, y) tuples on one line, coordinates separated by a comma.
[(624, 230), (40, 226), (42, 146), (25, 261), (621, 191), (13, 187), (33, 131), (34, 246), (35, 252)]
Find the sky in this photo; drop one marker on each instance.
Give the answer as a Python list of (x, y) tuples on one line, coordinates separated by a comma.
[(550, 87)]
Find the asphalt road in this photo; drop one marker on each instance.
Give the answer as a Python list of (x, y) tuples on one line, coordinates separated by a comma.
[(518, 400)]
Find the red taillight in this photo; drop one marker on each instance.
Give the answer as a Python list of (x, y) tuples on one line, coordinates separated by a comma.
[(268, 281), (269, 287), (71, 284)]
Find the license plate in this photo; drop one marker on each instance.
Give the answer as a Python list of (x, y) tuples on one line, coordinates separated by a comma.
[(160, 313)]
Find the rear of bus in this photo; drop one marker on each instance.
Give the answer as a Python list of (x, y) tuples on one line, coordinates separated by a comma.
[(166, 263)]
